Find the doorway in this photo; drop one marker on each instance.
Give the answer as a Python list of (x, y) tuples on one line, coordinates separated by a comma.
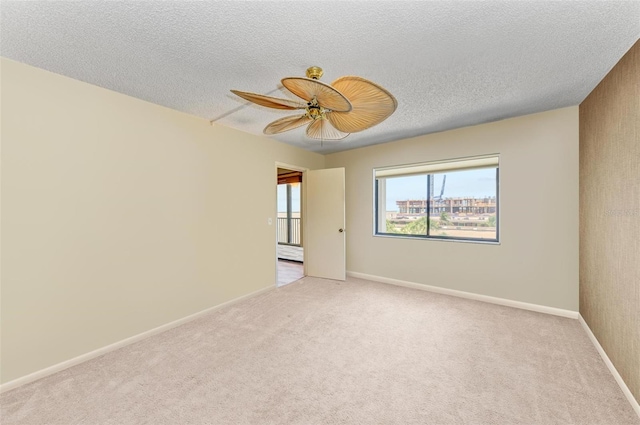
[(289, 249)]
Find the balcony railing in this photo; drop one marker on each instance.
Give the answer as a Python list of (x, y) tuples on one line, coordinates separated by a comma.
[(289, 231)]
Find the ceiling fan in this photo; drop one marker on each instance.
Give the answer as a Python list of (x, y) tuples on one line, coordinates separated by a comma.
[(349, 105)]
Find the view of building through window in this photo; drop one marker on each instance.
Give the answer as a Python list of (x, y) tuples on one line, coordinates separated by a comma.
[(453, 204)]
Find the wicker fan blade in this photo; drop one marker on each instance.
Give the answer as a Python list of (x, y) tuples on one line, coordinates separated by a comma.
[(323, 130), (286, 123), (327, 96), (371, 103), (268, 101)]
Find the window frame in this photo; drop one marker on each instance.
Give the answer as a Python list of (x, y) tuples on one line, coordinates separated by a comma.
[(376, 199)]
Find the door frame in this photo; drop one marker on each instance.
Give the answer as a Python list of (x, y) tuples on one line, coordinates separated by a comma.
[(303, 207)]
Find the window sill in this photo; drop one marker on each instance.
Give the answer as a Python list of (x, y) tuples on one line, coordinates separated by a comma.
[(424, 238)]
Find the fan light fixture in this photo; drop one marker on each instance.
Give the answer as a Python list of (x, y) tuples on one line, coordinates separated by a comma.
[(349, 105)]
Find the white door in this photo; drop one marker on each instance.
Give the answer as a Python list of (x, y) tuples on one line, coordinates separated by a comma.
[(324, 241)]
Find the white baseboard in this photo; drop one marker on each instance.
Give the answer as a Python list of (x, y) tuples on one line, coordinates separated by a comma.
[(612, 368), (469, 295), (127, 341)]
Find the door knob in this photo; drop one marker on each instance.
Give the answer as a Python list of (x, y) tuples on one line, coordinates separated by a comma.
[(340, 230)]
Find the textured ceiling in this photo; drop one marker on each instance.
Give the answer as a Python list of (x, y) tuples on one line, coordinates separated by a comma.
[(449, 64)]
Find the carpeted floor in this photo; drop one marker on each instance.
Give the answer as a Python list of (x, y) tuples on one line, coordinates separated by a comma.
[(325, 352)]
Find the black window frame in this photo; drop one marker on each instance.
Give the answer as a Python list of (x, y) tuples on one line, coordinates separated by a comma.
[(428, 208)]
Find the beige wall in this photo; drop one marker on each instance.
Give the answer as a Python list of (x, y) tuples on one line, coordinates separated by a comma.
[(610, 215), (537, 259), (119, 216)]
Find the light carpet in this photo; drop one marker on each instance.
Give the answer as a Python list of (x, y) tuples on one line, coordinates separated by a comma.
[(326, 352)]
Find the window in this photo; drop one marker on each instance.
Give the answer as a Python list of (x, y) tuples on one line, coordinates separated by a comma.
[(452, 200), (289, 228)]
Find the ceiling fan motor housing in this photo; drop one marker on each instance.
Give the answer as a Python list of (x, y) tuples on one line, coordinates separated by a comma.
[(315, 111)]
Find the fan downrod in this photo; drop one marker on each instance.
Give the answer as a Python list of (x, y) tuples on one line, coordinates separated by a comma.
[(314, 72)]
